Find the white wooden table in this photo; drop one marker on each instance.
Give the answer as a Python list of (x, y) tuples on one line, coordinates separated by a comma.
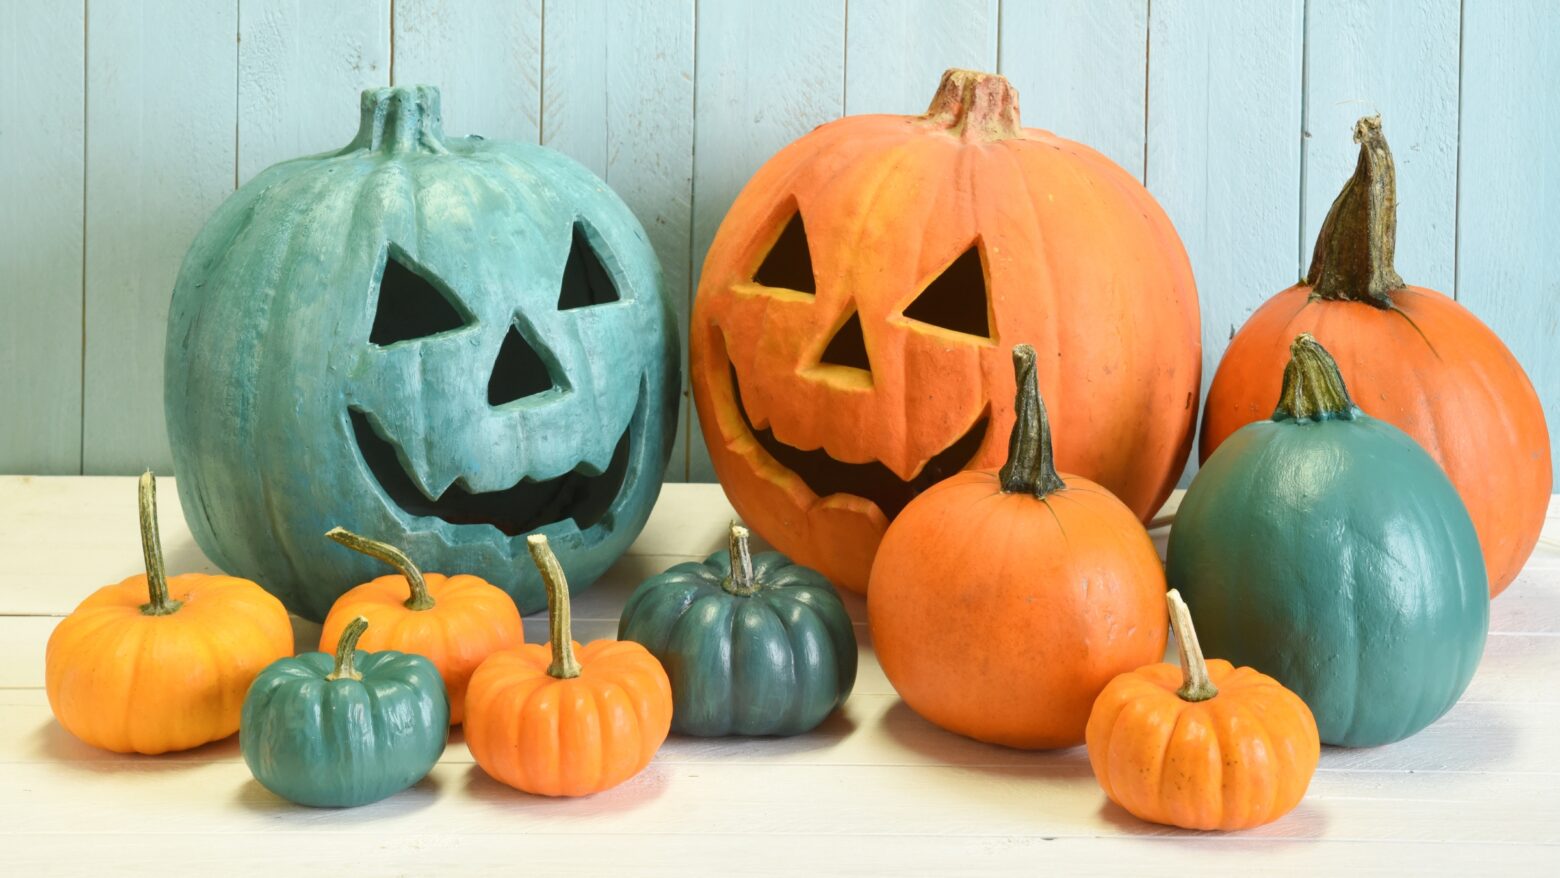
[(873, 791)]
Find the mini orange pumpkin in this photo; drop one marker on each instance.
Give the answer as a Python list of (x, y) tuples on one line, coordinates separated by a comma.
[(155, 664), (1203, 746), (848, 346), (1415, 358), (565, 719), (1002, 602), (455, 622)]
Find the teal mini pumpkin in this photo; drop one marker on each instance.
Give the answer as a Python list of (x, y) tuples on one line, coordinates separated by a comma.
[(753, 645), (344, 731), (1326, 549), (447, 342)]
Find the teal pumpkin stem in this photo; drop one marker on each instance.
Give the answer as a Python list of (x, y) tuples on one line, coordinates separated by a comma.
[(741, 581), (1353, 257), (1313, 387), (346, 651), (1195, 683), (564, 664), (1030, 468), (151, 550), (400, 120), (420, 599)]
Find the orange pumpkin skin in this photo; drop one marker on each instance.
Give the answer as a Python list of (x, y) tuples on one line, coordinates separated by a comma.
[(1240, 759), (135, 683), (1077, 258), (1431, 369), (470, 620), (573, 736)]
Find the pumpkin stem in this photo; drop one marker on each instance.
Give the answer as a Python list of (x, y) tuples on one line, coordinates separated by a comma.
[(420, 599), (975, 106), (740, 582), (400, 120), (1313, 388), (1195, 684), (151, 550), (1029, 468), (1353, 257), (564, 664), (346, 651)]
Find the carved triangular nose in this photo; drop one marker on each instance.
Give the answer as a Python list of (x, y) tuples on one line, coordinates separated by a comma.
[(848, 347), (519, 371)]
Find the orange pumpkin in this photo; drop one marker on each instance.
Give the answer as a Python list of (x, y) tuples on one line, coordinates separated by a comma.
[(154, 664), (1203, 746), (455, 622), (1415, 358), (849, 339), (1002, 602), (565, 719)]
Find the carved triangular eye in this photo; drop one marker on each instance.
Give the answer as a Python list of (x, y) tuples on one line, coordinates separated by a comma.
[(848, 347), (957, 298), (518, 372), (409, 306), (586, 281), (788, 264)]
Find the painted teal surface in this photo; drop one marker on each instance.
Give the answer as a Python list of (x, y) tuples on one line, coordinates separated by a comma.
[(268, 352), (776, 662), (1336, 557), (1239, 113), (341, 743)]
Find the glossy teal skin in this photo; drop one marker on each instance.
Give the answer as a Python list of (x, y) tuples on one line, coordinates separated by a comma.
[(1335, 556), (776, 662), (342, 743), (268, 351)]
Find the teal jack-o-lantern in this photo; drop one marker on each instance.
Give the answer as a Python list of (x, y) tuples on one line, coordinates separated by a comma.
[(1328, 550), (447, 342), (344, 731), (753, 645)]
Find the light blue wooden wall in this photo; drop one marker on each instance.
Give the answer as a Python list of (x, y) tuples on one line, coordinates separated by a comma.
[(123, 123)]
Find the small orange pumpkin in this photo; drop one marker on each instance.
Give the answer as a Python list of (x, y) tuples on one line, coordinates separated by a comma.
[(456, 622), (565, 719), (154, 664), (1002, 602), (1203, 746)]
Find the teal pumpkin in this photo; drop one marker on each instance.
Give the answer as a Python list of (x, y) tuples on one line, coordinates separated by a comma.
[(447, 342), (753, 645), (1326, 549), (335, 732)]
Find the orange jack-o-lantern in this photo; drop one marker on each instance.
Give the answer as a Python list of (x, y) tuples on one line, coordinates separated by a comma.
[(849, 341)]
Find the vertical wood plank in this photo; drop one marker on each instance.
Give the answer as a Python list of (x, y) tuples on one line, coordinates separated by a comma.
[(484, 55), (1397, 58), (1508, 193), (767, 74), (897, 50), (1224, 103), (1080, 70), (41, 178), (617, 95), (161, 133), (301, 66)]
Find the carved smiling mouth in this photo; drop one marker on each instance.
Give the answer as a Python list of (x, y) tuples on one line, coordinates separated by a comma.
[(872, 481), (523, 507)]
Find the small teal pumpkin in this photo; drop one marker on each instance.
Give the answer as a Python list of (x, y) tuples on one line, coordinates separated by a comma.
[(753, 645), (1326, 549), (447, 342), (344, 731)]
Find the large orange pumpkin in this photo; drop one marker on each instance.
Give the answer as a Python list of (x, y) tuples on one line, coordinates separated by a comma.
[(849, 340), (1415, 358), (1003, 601)]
